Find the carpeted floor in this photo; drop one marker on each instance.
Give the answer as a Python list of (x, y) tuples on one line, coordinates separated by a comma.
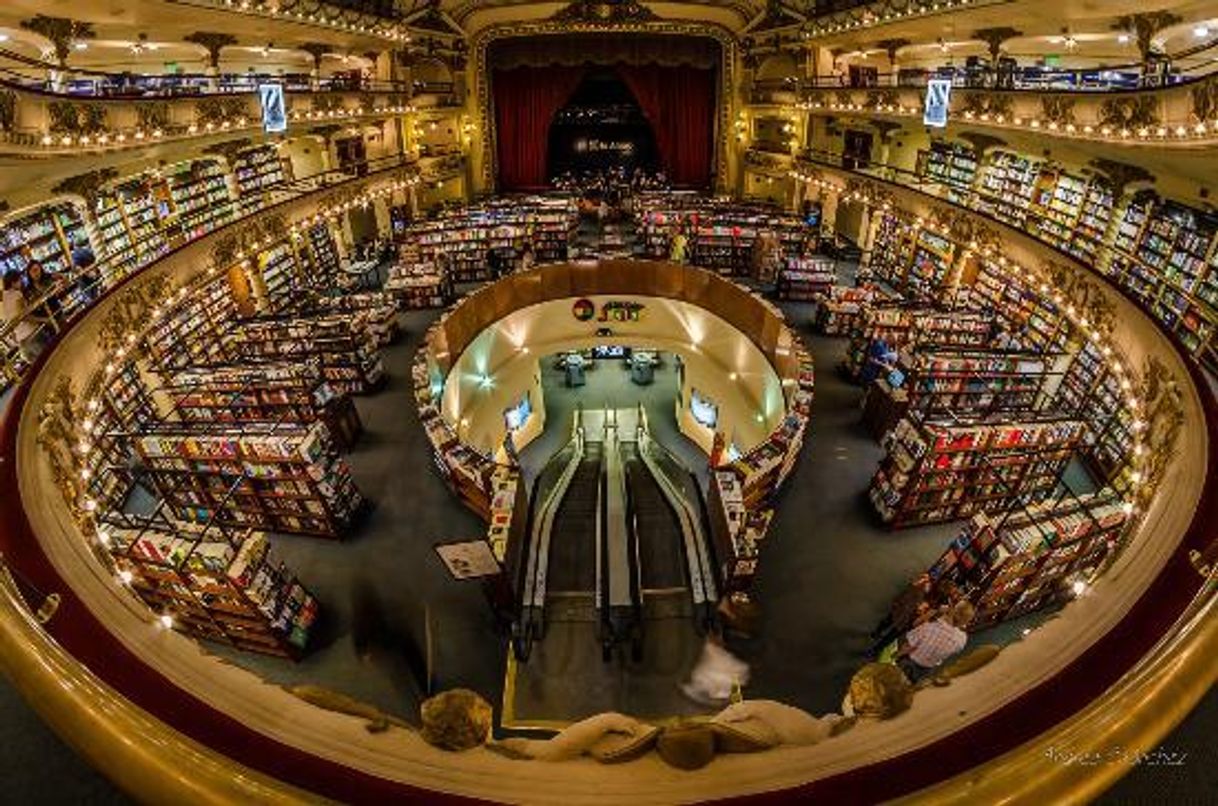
[(827, 575)]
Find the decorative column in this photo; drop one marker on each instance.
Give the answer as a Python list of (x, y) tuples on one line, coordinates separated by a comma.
[(891, 46), (317, 50), (1144, 26), (993, 38), (63, 33), (213, 42)]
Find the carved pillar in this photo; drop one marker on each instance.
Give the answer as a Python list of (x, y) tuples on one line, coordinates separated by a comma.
[(63, 33), (891, 46), (213, 42), (317, 50)]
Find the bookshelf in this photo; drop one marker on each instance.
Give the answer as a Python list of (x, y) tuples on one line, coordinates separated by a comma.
[(323, 256), (122, 406), (294, 392), (42, 234), (419, 285), (214, 584), (940, 471), (275, 277), (198, 331), (971, 383), (1024, 560), (258, 170), (1006, 186), (461, 240), (904, 326), (803, 279), (742, 491), (343, 342), (840, 308), (282, 477), (201, 199), (950, 164)]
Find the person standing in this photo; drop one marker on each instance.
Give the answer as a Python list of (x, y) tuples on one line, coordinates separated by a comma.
[(13, 307), (927, 646), (678, 248)]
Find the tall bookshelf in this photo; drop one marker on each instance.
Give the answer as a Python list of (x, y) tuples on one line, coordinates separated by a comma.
[(343, 343), (215, 584), (953, 165), (282, 477), (42, 234), (196, 332), (1016, 562), (941, 471), (259, 169), (201, 197)]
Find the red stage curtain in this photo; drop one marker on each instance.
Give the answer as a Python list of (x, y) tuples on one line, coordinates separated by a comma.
[(679, 103), (526, 100)]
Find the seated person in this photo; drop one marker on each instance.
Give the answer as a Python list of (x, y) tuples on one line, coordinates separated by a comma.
[(927, 646)]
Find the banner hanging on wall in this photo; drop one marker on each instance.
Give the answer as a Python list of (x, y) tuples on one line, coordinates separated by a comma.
[(938, 96), (274, 110)]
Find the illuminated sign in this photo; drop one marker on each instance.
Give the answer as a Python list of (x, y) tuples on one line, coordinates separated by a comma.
[(613, 311), (274, 110), (938, 96)]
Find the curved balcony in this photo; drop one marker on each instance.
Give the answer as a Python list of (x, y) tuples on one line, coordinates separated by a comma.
[(1118, 668), (115, 112)]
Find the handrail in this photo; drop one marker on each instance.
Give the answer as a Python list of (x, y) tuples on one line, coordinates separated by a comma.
[(701, 572), (535, 576), (1125, 77)]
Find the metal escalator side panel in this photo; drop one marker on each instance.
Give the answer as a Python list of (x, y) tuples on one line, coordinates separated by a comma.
[(538, 565), (616, 528)]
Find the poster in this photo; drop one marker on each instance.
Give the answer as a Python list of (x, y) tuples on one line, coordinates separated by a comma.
[(470, 559), (938, 96), (274, 109)]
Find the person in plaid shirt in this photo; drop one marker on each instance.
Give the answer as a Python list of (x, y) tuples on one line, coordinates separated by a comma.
[(926, 646)]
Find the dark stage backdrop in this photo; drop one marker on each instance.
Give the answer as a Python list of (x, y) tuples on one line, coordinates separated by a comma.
[(677, 97)]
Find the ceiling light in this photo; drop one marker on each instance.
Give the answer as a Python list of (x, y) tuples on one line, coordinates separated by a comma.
[(3, 37), (1123, 39), (80, 45), (1201, 31)]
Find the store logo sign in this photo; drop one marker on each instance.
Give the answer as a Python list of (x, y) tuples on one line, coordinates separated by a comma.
[(613, 311), (938, 97)]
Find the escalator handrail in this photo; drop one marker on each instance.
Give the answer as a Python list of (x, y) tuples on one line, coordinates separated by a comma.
[(547, 511), (701, 569)]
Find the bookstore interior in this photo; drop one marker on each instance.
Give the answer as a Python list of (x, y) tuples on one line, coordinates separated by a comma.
[(607, 400)]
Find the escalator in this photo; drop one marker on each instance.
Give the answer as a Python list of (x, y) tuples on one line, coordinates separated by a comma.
[(572, 560), (661, 549)]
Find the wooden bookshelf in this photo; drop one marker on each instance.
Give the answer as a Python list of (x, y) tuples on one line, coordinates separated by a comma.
[(217, 585), (282, 477), (1016, 562), (941, 471)]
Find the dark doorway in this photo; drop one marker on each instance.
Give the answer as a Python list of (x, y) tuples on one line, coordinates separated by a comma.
[(600, 128), (856, 155)]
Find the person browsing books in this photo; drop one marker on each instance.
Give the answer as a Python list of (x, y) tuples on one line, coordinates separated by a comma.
[(927, 646)]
